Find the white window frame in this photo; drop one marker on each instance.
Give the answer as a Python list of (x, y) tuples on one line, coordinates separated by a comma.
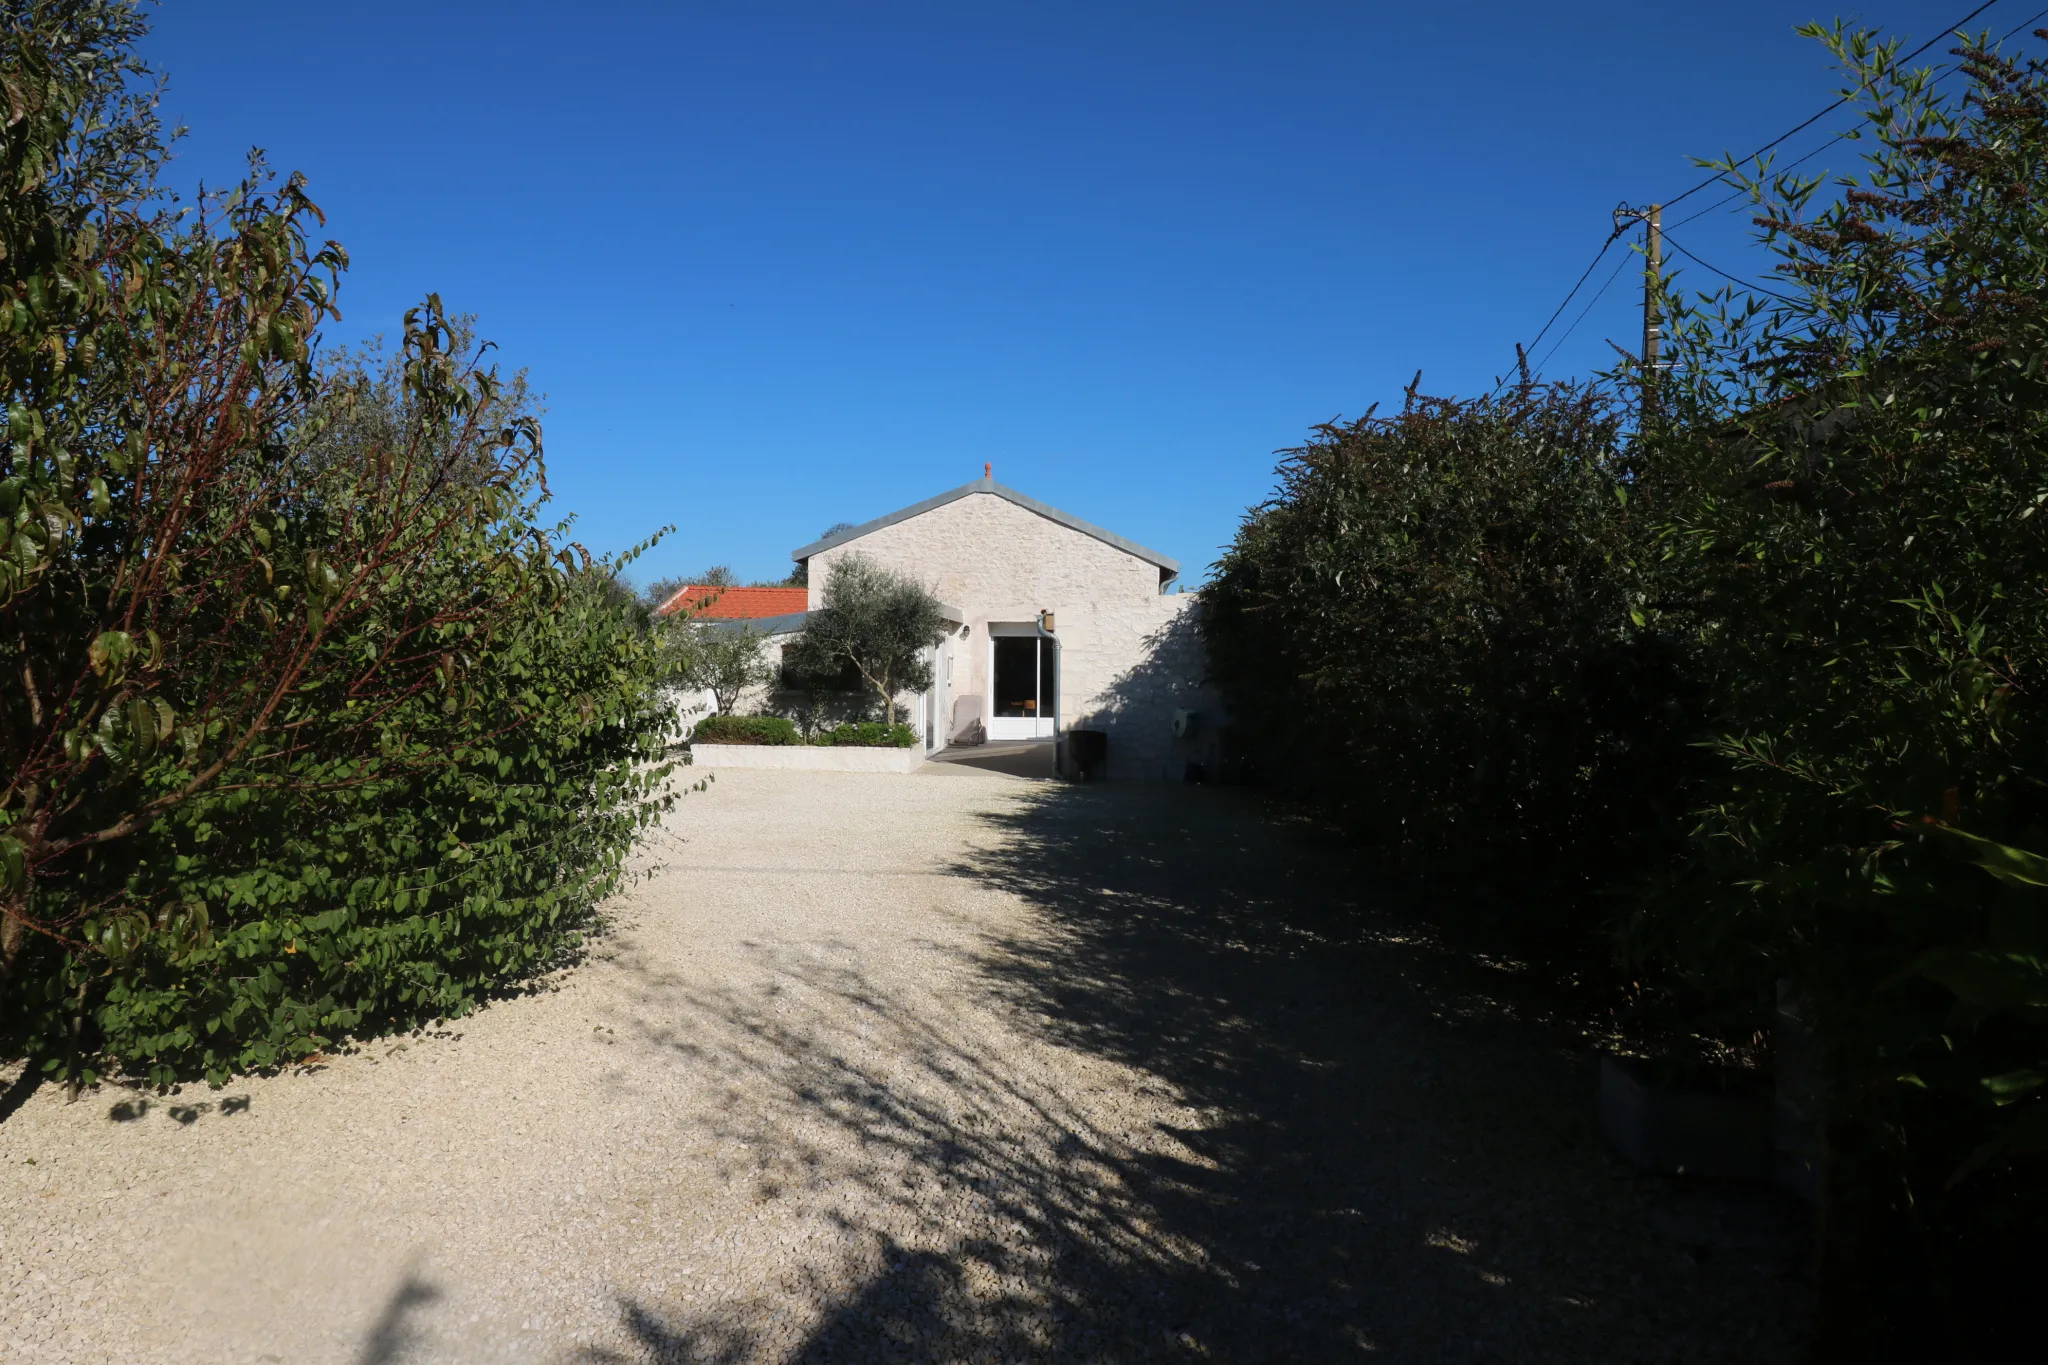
[(1044, 724)]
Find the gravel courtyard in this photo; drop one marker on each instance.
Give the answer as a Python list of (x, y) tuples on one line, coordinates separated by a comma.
[(949, 1067)]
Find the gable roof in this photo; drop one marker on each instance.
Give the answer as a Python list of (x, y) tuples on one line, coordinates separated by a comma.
[(1168, 567), (711, 603)]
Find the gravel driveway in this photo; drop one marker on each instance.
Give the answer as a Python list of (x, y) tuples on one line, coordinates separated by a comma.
[(953, 1066)]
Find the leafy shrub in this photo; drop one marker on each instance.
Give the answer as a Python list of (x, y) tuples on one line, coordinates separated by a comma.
[(1486, 631), (868, 734), (818, 700), (1851, 471), (814, 709), (1429, 629), (309, 730), (386, 905), (746, 730)]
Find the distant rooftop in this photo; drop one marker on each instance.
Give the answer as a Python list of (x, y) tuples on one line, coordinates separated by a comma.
[(708, 602)]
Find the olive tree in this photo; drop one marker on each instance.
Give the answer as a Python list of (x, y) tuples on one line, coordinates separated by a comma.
[(722, 658), (879, 622)]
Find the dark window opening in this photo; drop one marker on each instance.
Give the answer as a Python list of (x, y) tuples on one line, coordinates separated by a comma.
[(1016, 675)]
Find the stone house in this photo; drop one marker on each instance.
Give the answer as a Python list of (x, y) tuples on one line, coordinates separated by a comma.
[(1058, 625)]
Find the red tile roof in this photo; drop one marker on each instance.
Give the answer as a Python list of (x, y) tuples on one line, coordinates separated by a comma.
[(737, 604)]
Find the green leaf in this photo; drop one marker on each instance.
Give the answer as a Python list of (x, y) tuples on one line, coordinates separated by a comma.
[(2025, 1136), (13, 863), (2002, 861), (2011, 1085), (1984, 980), (109, 652), (110, 736), (142, 729)]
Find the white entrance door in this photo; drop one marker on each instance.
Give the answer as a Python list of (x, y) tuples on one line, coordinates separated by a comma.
[(1023, 680)]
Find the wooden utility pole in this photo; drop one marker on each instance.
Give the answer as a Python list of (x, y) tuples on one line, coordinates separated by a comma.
[(1653, 317), (1652, 218)]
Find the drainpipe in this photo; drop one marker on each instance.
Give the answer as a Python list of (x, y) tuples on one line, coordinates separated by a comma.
[(1044, 623)]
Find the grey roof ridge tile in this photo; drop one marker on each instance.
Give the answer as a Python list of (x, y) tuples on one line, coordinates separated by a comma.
[(989, 485)]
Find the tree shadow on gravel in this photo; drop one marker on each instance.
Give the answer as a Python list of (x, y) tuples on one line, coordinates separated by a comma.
[(657, 1342), (15, 1093), (1334, 1148), (394, 1335)]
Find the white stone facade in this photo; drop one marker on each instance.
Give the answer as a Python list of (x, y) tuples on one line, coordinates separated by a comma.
[(985, 554)]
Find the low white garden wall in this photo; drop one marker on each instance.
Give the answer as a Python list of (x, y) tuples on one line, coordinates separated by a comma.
[(819, 758)]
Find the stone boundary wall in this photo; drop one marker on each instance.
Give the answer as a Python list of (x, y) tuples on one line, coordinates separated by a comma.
[(818, 758)]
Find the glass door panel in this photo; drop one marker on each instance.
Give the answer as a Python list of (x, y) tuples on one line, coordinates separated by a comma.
[(1023, 669), (1016, 680)]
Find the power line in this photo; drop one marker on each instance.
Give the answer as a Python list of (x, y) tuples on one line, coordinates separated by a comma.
[(1743, 193), (1839, 102), (1566, 335), (1753, 288), (1598, 256), (1591, 266), (1837, 137), (1719, 177)]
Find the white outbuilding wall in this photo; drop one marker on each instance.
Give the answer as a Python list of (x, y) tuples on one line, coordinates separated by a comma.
[(1129, 667)]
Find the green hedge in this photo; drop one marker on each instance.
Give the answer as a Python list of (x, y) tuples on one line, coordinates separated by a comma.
[(780, 730), (1847, 478), (868, 734), (1428, 629), (380, 907), (1763, 663), (346, 737), (746, 730)]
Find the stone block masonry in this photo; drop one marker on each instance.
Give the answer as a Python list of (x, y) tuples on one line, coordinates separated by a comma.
[(983, 550), (1127, 667), (835, 758)]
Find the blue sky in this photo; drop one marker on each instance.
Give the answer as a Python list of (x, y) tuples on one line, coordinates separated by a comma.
[(781, 265)]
